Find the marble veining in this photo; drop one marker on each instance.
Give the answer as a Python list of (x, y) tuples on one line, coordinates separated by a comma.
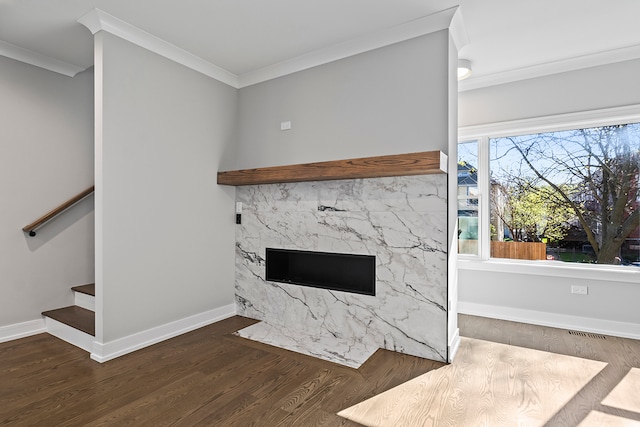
[(352, 353), (402, 221)]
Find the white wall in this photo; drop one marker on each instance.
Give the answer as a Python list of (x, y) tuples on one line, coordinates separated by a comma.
[(611, 306), (47, 157), (164, 229), (386, 101)]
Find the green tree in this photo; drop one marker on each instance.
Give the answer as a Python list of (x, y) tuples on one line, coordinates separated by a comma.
[(531, 213)]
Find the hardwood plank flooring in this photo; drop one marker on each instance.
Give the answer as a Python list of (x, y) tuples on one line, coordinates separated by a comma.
[(210, 377), (207, 377), (512, 374)]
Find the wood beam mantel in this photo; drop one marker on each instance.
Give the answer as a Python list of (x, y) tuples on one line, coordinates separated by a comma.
[(423, 163)]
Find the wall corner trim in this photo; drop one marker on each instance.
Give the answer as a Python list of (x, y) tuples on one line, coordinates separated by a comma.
[(39, 60), (454, 345), (458, 30), (21, 330), (103, 352), (98, 20)]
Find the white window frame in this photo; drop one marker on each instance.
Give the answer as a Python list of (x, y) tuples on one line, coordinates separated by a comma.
[(560, 122), (481, 209)]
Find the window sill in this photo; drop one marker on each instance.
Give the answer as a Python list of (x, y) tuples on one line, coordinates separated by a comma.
[(614, 273)]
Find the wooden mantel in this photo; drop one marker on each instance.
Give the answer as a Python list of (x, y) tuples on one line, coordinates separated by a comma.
[(428, 162)]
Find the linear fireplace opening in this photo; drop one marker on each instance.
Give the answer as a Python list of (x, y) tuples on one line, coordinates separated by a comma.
[(335, 271)]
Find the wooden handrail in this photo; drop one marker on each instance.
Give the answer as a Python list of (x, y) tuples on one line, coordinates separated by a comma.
[(55, 212)]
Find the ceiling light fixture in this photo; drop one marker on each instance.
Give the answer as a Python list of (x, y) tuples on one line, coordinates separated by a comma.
[(464, 69)]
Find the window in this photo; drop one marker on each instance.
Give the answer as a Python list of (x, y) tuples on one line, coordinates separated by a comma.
[(566, 196), (468, 196)]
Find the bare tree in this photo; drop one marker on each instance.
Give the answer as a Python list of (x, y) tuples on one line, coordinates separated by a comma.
[(594, 173)]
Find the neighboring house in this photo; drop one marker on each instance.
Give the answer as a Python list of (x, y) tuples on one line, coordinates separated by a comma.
[(497, 198), (631, 248), (467, 201)]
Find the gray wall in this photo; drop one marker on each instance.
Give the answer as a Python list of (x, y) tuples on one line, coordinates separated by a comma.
[(397, 99), (593, 88), (386, 101), (547, 299), (47, 157), (164, 233)]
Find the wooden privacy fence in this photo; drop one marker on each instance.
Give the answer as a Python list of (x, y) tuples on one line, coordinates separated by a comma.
[(512, 250), (469, 247), (519, 250)]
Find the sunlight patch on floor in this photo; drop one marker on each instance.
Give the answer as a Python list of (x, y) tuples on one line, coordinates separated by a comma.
[(489, 384), (600, 419), (626, 395)]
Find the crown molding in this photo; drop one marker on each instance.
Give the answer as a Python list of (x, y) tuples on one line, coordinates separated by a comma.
[(39, 60), (556, 67), (98, 20), (427, 24)]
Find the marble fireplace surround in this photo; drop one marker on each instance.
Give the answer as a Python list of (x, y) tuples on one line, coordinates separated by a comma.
[(399, 217)]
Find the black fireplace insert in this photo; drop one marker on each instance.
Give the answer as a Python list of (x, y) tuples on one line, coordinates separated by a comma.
[(335, 271)]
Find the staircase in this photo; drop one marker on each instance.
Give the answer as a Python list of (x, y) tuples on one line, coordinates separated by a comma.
[(75, 324)]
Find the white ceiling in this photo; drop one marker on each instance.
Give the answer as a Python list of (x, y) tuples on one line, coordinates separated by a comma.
[(508, 39)]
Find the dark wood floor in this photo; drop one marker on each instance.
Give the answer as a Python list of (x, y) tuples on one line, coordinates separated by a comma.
[(206, 377), (213, 378)]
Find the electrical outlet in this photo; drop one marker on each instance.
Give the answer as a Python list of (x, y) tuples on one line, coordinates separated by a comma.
[(285, 126), (579, 289)]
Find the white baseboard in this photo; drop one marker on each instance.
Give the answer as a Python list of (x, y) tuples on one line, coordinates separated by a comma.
[(454, 345), (554, 320), (21, 330), (69, 334), (103, 352)]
